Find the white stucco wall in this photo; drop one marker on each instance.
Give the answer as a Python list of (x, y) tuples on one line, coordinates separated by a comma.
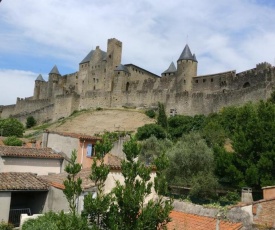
[(40, 166), (5, 200), (63, 144), (56, 201)]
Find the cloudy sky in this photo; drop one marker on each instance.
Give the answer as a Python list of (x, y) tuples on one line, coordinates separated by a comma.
[(36, 35)]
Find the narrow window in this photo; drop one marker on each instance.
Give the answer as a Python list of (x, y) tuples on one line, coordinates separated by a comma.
[(204, 80), (211, 79), (197, 81), (89, 150)]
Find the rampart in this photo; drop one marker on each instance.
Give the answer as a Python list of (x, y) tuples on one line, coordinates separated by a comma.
[(102, 81)]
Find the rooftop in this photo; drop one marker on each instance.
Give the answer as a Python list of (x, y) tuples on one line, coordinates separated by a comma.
[(181, 220), (21, 181), (75, 135), (18, 151)]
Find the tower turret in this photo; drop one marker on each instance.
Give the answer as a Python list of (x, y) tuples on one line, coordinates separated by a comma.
[(187, 68), (37, 87), (53, 80)]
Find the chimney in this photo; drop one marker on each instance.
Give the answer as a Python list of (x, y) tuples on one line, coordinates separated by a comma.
[(247, 195), (269, 192)]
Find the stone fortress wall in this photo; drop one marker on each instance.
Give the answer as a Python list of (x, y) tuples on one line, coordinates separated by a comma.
[(102, 81)]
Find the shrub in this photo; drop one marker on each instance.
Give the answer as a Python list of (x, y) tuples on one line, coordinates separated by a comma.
[(56, 221), (149, 130), (30, 122), (150, 113), (11, 127), (13, 141), (6, 226)]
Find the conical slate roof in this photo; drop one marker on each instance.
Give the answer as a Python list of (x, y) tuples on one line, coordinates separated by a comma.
[(186, 54), (172, 68), (54, 70), (122, 68), (40, 78)]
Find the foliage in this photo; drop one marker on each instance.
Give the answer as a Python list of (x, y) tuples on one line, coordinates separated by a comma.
[(13, 141), (129, 210), (30, 122), (152, 148), (191, 160), (162, 118), (72, 183), (272, 97), (96, 208), (230, 198), (150, 113), (56, 221), (149, 130), (5, 226), (124, 207), (181, 124), (11, 127)]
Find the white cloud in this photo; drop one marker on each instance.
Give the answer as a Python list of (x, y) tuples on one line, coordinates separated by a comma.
[(224, 35), (15, 83)]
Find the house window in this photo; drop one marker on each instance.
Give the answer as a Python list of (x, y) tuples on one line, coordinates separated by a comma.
[(204, 80), (89, 150), (211, 79), (197, 81)]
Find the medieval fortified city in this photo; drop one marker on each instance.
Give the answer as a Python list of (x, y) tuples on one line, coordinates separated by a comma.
[(103, 81)]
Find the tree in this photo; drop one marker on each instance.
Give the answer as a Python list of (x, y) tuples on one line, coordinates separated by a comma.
[(152, 148), (13, 141), (73, 183), (30, 122), (189, 159), (149, 130), (129, 211), (162, 118), (96, 208), (11, 127)]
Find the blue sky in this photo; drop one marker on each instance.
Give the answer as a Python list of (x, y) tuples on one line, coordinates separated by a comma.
[(36, 35)]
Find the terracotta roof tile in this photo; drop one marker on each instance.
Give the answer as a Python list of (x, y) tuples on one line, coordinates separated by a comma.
[(56, 180), (18, 151), (21, 181), (181, 220), (76, 135), (113, 161)]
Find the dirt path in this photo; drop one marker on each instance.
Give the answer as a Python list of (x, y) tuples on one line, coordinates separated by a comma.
[(94, 122)]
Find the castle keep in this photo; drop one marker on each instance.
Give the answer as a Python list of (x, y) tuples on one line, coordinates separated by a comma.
[(103, 81)]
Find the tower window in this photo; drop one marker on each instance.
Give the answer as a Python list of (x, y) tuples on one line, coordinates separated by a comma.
[(211, 79), (197, 81), (204, 80)]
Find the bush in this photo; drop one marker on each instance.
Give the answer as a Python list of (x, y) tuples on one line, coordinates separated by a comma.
[(149, 130), (56, 221), (6, 226), (11, 127), (150, 113), (13, 141), (30, 122)]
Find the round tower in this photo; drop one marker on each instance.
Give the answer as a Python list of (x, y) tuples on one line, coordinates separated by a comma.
[(187, 65), (37, 87), (53, 80)]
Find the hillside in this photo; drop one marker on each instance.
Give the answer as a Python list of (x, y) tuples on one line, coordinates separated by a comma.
[(93, 122)]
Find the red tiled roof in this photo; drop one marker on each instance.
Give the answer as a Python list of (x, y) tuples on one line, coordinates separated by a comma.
[(113, 161), (181, 220), (18, 151), (76, 135), (21, 181), (56, 180)]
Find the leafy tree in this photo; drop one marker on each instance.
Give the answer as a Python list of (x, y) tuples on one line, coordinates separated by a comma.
[(30, 122), (189, 159), (73, 183), (11, 127), (162, 118), (6, 226), (96, 208), (13, 141), (149, 130), (152, 148), (181, 124), (129, 211)]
